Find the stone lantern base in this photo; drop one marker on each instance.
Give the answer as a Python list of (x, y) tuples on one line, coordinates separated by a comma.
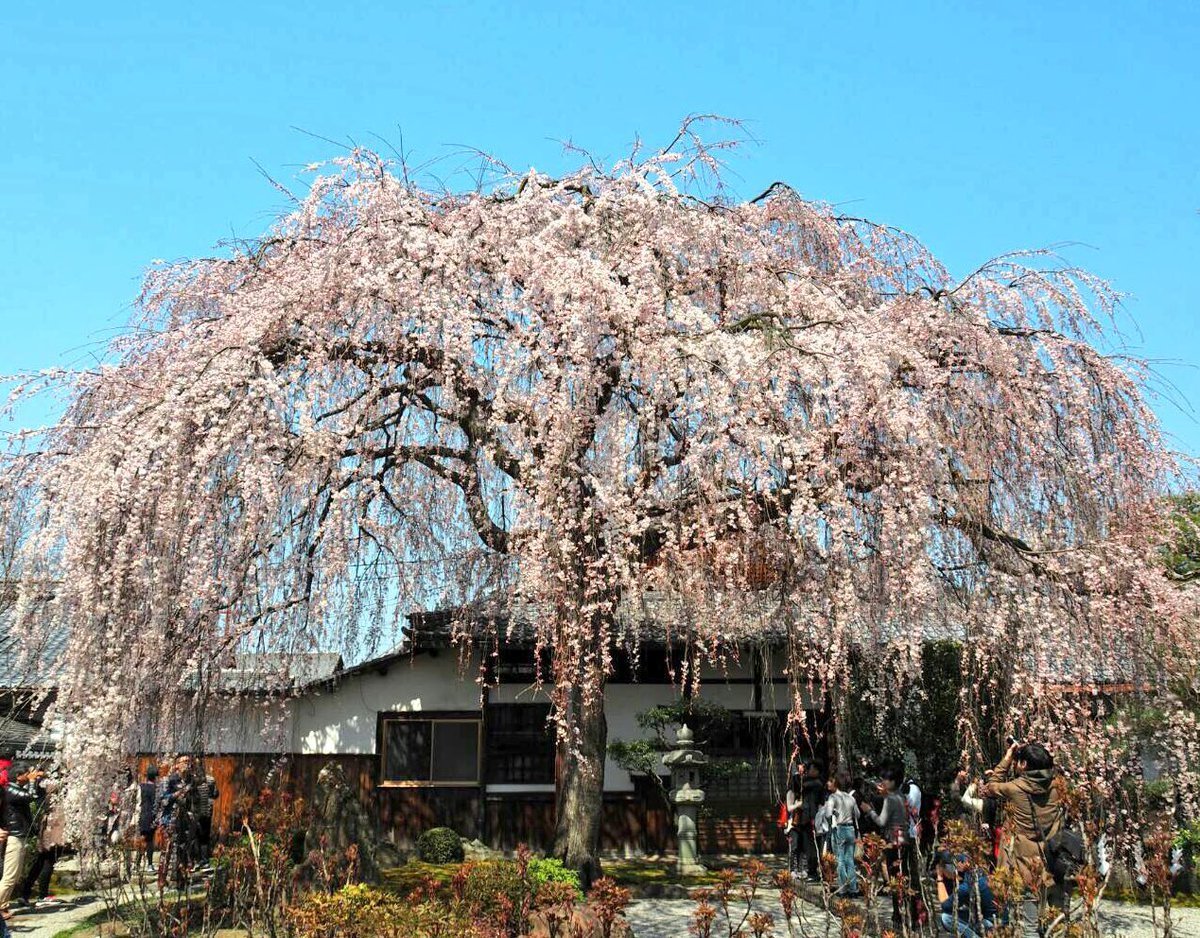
[(687, 809)]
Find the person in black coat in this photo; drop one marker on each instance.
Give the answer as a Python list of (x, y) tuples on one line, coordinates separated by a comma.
[(812, 796), (147, 813), (20, 795)]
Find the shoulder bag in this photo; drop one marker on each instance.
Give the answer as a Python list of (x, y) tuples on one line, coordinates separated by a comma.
[(1063, 852)]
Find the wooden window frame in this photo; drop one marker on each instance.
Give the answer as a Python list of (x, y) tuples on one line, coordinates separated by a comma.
[(489, 755), (432, 717)]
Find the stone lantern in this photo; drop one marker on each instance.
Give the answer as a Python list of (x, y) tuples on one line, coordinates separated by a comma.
[(685, 763)]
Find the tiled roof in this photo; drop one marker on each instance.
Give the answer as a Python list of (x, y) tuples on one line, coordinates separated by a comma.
[(1083, 659), (37, 666), (278, 671), (760, 616), (25, 739), (30, 664)]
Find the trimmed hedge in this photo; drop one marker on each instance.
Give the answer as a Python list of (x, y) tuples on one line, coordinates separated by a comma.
[(440, 845)]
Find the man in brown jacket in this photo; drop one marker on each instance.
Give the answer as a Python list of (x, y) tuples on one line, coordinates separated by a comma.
[(1023, 781)]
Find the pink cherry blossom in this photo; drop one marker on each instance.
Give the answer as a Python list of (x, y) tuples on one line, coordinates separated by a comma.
[(549, 403)]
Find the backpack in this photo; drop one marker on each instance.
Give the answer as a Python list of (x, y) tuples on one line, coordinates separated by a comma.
[(1063, 852)]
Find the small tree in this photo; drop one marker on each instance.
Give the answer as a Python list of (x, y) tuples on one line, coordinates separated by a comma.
[(643, 756)]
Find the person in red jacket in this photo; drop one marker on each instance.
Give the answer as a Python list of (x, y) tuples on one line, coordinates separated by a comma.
[(6, 761)]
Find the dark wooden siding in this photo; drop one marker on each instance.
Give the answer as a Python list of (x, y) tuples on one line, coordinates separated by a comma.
[(739, 828), (632, 822), (637, 822)]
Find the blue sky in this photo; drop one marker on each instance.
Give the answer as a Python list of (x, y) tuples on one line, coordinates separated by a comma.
[(128, 130)]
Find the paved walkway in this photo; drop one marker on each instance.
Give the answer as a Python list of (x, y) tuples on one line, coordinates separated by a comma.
[(670, 918), (48, 923)]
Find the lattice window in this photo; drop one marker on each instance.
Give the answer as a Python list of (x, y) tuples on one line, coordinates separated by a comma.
[(520, 745)]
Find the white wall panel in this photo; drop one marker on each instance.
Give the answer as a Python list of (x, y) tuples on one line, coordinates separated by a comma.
[(342, 719)]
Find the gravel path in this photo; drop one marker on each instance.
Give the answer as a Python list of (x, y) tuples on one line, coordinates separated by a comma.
[(670, 918)]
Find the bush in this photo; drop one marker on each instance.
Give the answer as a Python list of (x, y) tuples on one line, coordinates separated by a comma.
[(366, 912), (440, 845), (1188, 836), (506, 893), (486, 899), (495, 888), (257, 874), (552, 871)]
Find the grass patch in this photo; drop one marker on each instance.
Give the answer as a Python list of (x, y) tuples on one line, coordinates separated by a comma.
[(642, 872), (1184, 900), (89, 927), (404, 879), (633, 872), (100, 924)]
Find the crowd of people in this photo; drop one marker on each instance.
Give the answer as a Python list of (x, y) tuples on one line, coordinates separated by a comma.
[(165, 812), (161, 824), (169, 812), (1014, 805)]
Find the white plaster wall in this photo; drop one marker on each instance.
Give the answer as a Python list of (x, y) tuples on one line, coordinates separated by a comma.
[(342, 719), (732, 696), (250, 725), (622, 704), (776, 695)]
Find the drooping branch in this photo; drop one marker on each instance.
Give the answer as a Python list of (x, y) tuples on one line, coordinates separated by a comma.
[(568, 394)]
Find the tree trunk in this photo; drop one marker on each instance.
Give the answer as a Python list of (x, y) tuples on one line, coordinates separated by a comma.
[(841, 749), (580, 791)]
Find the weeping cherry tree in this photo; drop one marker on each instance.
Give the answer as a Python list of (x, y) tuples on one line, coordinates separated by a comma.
[(568, 394)]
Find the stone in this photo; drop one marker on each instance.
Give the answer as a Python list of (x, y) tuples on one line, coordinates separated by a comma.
[(478, 850), (339, 821)]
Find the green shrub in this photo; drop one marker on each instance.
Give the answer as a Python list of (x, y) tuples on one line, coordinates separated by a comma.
[(404, 879), (440, 845), (1188, 836), (552, 871), (482, 899), (506, 893)]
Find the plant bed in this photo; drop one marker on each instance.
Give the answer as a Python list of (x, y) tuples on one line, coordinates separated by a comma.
[(525, 896)]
